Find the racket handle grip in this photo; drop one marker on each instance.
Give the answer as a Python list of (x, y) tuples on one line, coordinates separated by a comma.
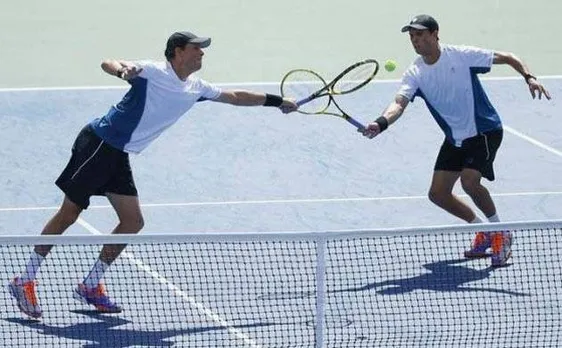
[(355, 123)]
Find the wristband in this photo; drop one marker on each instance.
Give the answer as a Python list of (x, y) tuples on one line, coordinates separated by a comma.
[(528, 76), (273, 100), (382, 122)]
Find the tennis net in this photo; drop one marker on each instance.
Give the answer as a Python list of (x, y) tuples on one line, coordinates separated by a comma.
[(384, 288)]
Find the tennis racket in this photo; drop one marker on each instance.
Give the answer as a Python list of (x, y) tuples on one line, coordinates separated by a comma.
[(308, 88)]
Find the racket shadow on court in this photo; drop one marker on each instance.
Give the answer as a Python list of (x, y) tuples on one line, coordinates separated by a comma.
[(444, 276), (104, 331)]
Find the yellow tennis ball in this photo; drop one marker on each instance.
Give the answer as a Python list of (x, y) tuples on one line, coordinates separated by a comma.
[(390, 65)]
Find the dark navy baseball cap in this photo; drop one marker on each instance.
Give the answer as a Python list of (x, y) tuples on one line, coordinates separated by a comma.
[(182, 38), (422, 22)]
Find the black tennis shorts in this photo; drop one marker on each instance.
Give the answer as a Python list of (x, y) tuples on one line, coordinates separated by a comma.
[(476, 153), (95, 168)]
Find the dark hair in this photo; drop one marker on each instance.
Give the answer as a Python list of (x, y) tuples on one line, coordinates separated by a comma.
[(170, 52)]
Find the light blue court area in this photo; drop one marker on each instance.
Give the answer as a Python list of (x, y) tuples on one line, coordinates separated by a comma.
[(226, 169), (223, 168)]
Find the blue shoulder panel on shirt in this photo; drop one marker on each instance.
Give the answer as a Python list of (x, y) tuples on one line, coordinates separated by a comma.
[(485, 114), (117, 126)]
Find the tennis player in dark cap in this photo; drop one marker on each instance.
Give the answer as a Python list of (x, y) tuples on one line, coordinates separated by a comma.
[(161, 92), (446, 78)]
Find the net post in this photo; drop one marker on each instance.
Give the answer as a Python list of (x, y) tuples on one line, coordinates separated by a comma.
[(321, 246)]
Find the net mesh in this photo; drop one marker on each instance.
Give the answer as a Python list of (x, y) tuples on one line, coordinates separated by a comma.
[(379, 289)]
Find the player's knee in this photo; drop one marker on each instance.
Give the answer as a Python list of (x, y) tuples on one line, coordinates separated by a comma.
[(436, 195), (470, 185), (67, 214), (67, 217), (132, 224), (140, 223)]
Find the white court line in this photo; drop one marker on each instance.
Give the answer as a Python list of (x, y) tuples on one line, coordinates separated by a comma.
[(228, 84), (293, 201), (533, 141), (178, 292)]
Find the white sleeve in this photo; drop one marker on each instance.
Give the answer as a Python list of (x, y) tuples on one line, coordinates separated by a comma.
[(148, 68), (409, 85), (209, 91), (477, 57)]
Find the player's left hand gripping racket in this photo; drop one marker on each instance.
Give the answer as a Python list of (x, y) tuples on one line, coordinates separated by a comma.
[(308, 88)]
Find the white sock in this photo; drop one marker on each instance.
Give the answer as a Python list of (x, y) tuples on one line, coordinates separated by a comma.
[(494, 218), (476, 220), (32, 267), (95, 275)]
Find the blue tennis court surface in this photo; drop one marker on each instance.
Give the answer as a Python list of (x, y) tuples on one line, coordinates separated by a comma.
[(228, 169), (223, 168)]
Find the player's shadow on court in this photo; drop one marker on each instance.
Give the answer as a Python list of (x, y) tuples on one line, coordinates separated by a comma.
[(444, 276), (104, 332)]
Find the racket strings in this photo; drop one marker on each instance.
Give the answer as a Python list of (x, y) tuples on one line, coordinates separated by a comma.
[(356, 78), (300, 84)]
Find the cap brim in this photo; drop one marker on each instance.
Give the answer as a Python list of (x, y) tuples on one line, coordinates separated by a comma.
[(201, 41), (413, 26)]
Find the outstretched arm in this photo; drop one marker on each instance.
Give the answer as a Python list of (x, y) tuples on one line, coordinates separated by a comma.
[(389, 116), (122, 69), (248, 98), (517, 64)]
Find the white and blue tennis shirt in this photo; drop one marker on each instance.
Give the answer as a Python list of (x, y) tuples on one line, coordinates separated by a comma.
[(452, 91), (156, 100)]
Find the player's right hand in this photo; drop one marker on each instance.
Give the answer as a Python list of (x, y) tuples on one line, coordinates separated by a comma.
[(371, 131), (288, 106)]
